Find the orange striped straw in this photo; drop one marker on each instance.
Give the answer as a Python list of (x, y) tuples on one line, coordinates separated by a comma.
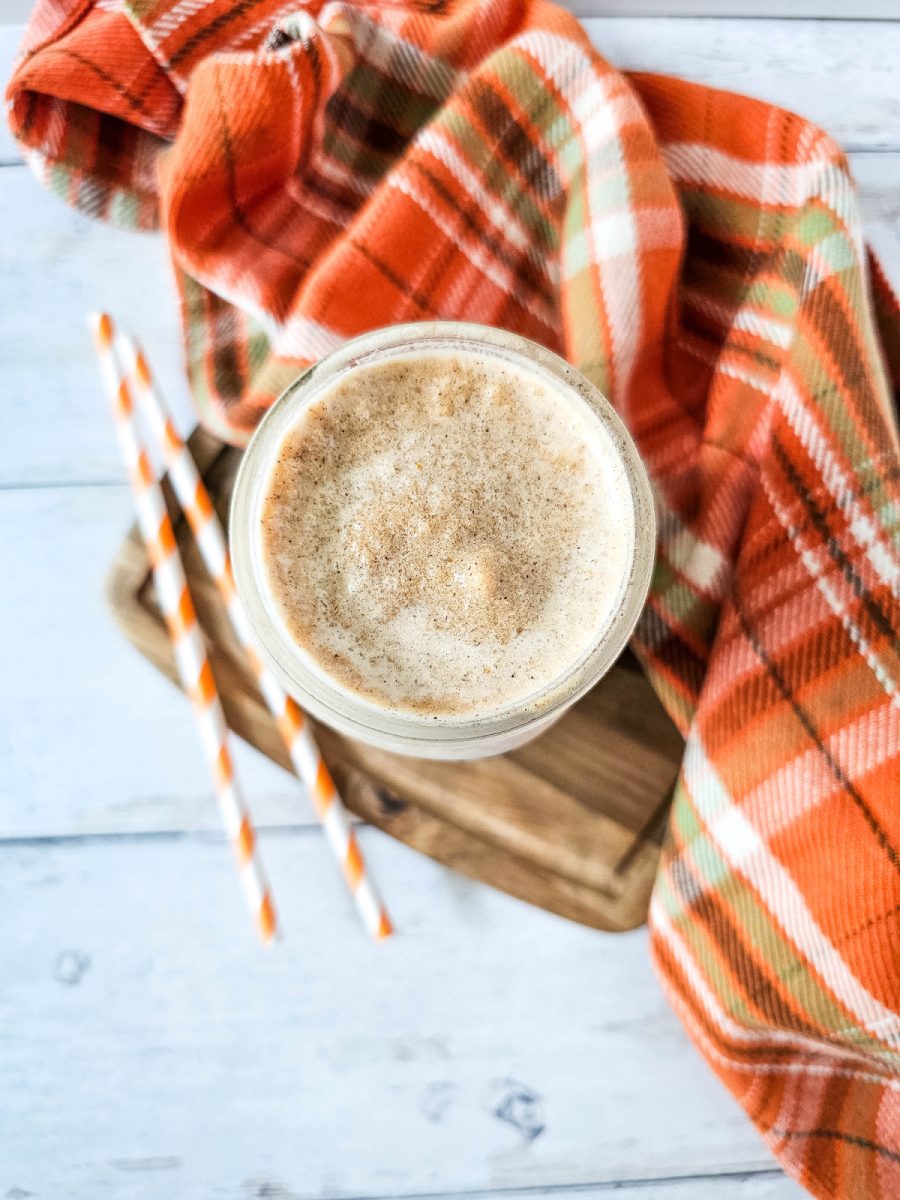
[(178, 609), (292, 724)]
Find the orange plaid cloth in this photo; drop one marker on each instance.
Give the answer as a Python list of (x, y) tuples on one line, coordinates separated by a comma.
[(323, 169)]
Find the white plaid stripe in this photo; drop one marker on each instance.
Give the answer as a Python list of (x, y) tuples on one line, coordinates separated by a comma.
[(587, 95), (868, 535), (747, 854), (856, 1065), (482, 259)]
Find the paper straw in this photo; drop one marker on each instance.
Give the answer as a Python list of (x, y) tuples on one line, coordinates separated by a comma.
[(178, 610), (292, 724)]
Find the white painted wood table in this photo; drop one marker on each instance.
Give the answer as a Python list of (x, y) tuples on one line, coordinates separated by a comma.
[(148, 1047)]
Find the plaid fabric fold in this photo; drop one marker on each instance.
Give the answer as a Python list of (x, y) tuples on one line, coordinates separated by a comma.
[(321, 170)]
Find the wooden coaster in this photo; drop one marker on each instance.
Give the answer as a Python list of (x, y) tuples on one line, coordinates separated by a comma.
[(572, 822)]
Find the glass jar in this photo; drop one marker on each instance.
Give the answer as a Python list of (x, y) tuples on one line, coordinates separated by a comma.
[(421, 735)]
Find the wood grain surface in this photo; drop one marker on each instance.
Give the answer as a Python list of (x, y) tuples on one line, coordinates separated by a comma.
[(792, 63), (59, 264), (149, 1049), (490, 1047)]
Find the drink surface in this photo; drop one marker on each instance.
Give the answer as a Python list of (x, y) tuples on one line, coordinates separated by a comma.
[(445, 534)]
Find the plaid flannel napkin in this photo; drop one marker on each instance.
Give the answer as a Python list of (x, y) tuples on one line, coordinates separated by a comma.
[(324, 169)]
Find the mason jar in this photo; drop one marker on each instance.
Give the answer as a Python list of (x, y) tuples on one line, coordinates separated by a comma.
[(471, 734)]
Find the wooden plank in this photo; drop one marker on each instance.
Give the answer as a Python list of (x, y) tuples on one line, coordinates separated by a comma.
[(15, 11), (878, 180), (158, 1049), (56, 265), (788, 10), (839, 75), (92, 739), (794, 63), (720, 1187), (757, 1186)]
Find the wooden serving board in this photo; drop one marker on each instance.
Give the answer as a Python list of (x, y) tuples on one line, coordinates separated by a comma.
[(572, 822)]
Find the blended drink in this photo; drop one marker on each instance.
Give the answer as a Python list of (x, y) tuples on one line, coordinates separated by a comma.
[(441, 534), (447, 526)]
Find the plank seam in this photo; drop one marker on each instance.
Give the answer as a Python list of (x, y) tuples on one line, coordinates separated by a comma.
[(149, 836), (574, 1189)]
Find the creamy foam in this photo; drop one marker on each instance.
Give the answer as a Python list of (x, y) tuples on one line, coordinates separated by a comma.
[(444, 533)]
